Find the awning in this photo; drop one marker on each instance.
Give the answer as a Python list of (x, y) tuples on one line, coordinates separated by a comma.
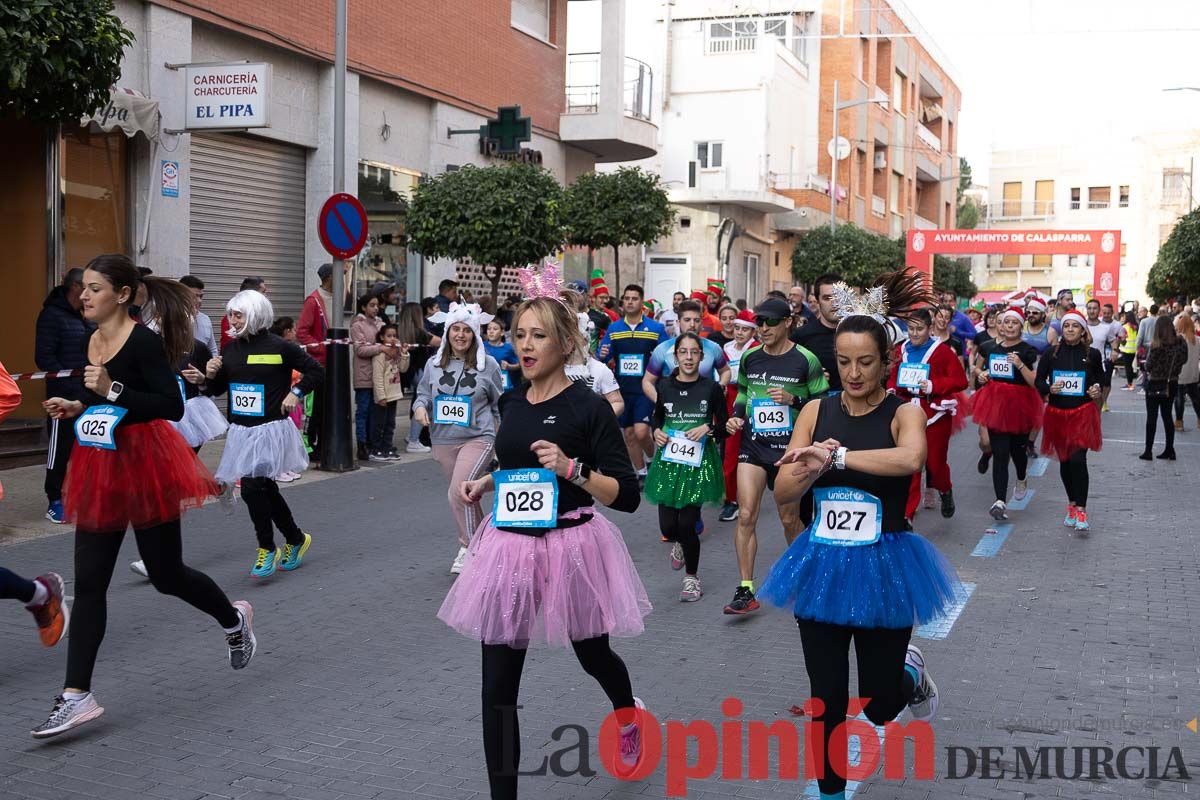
[(128, 111)]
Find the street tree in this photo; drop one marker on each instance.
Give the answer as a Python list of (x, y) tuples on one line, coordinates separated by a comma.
[(58, 58), (967, 213), (859, 256), (1176, 271), (617, 209), (499, 217)]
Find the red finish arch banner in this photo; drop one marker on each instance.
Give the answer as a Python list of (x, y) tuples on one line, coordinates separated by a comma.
[(1103, 245)]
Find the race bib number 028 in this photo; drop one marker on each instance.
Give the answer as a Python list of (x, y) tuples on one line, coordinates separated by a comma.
[(452, 409), (912, 374), (847, 517), (247, 399), (525, 498), (96, 426), (999, 366), (682, 450), (767, 416), (1072, 382)]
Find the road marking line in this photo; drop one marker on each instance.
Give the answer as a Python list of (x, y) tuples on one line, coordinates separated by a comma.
[(813, 792), (993, 539), (1023, 503), (1139, 441), (1038, 468), (940, 628)]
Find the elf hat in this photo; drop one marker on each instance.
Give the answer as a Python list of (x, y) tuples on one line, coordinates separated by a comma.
[(716, 286), (598, 286), (698, 295)]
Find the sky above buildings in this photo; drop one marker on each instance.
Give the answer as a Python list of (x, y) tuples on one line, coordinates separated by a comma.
[(1033, 71)]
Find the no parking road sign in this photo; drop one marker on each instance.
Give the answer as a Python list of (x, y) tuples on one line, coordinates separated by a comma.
[(342, 226)]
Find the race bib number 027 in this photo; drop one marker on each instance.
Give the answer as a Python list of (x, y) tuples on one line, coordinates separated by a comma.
[(247, 399), (847, 517), (525, 498), (96, 426)]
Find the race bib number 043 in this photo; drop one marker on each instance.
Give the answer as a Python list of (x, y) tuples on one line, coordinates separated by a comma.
[(847, 517), (247, 399), (452, 409), (999, 366), (96, 426), (767, 416), (1072, 382), (525, 498), (682, 450)]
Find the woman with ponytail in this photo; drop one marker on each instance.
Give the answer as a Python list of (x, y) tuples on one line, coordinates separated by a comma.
[(131, 468)]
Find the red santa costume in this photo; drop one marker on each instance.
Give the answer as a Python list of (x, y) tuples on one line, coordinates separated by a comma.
[(944, 404)]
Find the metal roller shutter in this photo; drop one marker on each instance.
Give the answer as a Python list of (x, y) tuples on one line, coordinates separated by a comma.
[(247, 218)]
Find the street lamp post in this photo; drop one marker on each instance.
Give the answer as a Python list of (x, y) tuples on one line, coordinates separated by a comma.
[(881, 100)]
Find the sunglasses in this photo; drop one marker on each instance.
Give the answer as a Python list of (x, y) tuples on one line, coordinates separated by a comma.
[(770, 322)]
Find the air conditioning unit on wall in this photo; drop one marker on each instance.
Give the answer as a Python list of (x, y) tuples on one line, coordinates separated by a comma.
[(880, 159)]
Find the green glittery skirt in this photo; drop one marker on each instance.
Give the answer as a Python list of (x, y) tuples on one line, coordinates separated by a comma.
[(677, 485)]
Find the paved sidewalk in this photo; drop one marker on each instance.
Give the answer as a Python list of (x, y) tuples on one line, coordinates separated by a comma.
[(359, 692)]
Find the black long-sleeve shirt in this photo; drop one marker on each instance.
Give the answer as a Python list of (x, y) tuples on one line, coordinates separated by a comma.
[(1068, 358), (265, 360), (582, 424), (198, 358), (141, 365), (682, 405)]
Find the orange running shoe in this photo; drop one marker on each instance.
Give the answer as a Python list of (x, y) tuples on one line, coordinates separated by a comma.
[(51, 616)]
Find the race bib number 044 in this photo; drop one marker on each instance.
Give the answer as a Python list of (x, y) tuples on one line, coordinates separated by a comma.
[(247, 399), (682, 450), (452, 409), (96, 426), (525, 498), (847, 517), (767, 416)]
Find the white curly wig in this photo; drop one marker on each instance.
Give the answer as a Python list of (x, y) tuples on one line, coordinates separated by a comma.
[(254, 306)]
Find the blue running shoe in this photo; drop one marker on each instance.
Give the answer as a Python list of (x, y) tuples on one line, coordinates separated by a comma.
[(294, 554), (700, 526), (55, 512), (265, 562)]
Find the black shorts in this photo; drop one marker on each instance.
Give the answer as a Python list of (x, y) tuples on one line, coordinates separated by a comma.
[(1106, 375), (761, 456)]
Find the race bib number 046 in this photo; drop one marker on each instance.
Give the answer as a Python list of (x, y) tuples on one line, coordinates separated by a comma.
[(96, 426), (452, 409), (999, 366), (1072, 382), (247, 399), (847, 517), (767, 416), (682, 450), (525, 498)]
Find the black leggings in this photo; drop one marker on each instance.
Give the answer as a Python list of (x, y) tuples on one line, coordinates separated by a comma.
[(14, 587), (1185, 392), (1126, 360), (1074, 474), (501, 683), (1159, 406), (679, 525), (267, 506), (161, 547), (1004, 447), (881, 677)]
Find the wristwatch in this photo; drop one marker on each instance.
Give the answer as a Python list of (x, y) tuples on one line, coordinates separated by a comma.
[(114, 391), (296, 391), (581, 477), (839, 458)]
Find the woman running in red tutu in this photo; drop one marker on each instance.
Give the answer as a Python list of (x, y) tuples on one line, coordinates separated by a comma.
[(1008, 405), (1069, 376), (130, 467)]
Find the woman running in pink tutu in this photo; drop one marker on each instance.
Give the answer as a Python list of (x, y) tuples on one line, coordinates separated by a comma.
[(545, 567)]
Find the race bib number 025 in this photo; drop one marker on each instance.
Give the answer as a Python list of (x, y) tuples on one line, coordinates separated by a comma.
[(767, 416), (525, 498), (999, 366), (847, 517), (96, 426), (682, 450), (452, 409), (247, 399)]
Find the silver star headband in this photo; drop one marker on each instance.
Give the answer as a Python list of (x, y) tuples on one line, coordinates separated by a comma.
[(849, 303)]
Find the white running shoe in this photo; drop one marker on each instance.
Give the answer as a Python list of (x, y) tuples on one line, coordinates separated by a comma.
[(691, 589), (227, 498), (924, 701), (999, 510), (459, 560), (1020, 490), (68, 714), (288, 477), (931, 498), (416, 447), (140, 568), (677, 556), (241, 643)]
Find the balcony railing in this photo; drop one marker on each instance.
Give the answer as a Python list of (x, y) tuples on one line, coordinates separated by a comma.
[(878, 206), (583, 85), (929, 137), (1017, 209), (921, 223), (731, 44)]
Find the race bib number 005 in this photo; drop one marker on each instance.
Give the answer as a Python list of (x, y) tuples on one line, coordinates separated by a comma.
[(999, 366), (847, 517), (525, 498), (767, 416), (247, 399), (682, 450), (452, 409), (912, 374), (96, 426), (1072, 382)]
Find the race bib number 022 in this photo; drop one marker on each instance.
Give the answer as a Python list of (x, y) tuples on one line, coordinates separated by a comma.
[(847, 517), (525, 498), (631, 365)]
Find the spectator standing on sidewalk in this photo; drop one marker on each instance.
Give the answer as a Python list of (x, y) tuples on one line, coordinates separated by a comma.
[(364, 333), (310, 330), (414, 333), (387, 367), (60, 344)]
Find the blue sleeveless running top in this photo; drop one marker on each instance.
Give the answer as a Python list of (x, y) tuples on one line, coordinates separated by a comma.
[(1038, 341)]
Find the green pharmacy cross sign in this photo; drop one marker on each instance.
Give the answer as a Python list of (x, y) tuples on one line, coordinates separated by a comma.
[(502, 136)]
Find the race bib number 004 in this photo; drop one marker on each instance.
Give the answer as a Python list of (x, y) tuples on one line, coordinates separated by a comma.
[(912, 374), (631, 365), (1072, 382), (452, 409), (247, 399), (767, 416), (847, 517), (999, 366), (525, 498), (96, 426), (682, 450)]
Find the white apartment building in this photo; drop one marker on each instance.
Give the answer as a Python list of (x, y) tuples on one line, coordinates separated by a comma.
[(1139, 185)]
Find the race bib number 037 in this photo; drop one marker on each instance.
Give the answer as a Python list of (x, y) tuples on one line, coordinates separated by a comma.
[(96, 426), (847, 517), (525, 498), (247, 399)]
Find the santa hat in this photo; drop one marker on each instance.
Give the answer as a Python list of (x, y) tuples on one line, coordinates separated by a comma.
[(471, 315), (1035, 304), (716, 286), (598, 286), (745, 318), (1013, 311), (698, 295), (1074, 316)]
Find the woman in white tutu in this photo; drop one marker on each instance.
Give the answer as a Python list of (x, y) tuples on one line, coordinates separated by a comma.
[(255, 368), (202, 421)]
